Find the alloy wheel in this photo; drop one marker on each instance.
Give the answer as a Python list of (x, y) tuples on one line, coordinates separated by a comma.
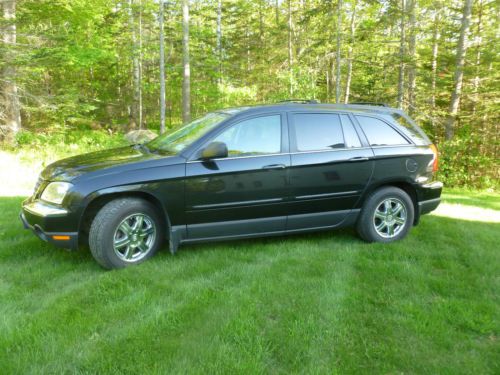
[(390, 217), (134, 237)]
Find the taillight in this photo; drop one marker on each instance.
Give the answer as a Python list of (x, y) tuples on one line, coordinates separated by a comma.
[(436, 158)]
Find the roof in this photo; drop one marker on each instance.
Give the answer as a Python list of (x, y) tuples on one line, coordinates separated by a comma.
[(359, 108)]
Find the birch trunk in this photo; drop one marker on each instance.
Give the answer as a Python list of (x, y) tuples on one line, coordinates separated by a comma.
[(337, 58), (11, 97), (219, 39), (459, 72), (290, 48), (350, 56), (402, 56), (162, 68), (412, 75), (435, 50), (134, 120), (186, 78), (477, 80)]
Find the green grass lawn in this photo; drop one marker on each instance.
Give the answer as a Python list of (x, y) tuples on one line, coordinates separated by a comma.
[(318, 303)]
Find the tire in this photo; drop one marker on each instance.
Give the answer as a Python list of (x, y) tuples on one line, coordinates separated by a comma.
[(387, 216), (126, 231)]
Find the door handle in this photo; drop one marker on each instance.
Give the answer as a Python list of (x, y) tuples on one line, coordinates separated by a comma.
[(274, 166), (358, 158)]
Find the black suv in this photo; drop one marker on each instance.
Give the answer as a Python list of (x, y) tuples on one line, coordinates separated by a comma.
[(240, 173)]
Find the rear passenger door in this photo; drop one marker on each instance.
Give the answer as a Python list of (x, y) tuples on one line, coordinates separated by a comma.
[(330, 168)]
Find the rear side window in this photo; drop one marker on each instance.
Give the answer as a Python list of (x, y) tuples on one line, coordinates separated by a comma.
[(318, 131), (379, 133), (411, 130), (350, 135)]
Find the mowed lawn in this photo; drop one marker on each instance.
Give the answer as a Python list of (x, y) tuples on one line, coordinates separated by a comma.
[(316, 303)]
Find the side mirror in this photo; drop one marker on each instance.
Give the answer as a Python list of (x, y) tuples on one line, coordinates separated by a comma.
[(214, 150)]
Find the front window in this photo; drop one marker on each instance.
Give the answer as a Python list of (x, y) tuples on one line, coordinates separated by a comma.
[(256, 136), (177, 141)]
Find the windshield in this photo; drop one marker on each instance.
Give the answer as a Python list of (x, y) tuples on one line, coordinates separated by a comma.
[(180, 139)]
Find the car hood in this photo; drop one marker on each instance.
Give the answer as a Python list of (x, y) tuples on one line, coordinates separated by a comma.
[(70, 168)]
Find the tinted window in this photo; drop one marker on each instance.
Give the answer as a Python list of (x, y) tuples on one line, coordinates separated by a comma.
[(180, 139), (318, 131), (379, 133), (257, 136), (411, 130), (350, 135)]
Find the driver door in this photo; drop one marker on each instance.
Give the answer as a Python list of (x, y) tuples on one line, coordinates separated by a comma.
[(246, 192)]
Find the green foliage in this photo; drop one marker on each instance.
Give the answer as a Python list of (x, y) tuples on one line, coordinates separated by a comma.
[(463, 163), (74, 61), (63, 142)]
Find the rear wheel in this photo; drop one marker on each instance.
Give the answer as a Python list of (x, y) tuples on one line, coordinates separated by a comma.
[(387, 216), (126, 231)]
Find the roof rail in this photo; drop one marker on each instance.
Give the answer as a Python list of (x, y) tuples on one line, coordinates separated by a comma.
[(371, 103), (302, 101)]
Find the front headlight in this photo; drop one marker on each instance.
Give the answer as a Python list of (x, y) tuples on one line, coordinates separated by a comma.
[(55, 192)]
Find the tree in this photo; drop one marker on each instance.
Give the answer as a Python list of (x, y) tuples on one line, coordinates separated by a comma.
[(186, 78), (290, 47), (12, 107), (412, 68), (350, 57), (402, 55), (459, 71), (435, 50), (219, 39), (136, 107), (337, 55), (162, 67)]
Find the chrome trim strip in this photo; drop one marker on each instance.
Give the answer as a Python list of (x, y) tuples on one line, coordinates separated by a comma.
[(325, 195), (430, 201), (240, 203), (287, 153), (41, 209)]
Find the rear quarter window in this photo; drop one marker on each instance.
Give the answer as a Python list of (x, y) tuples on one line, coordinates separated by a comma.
[(411, 130), (380, 133)]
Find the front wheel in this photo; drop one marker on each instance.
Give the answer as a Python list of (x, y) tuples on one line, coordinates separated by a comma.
[(125, 231), (387, 216)]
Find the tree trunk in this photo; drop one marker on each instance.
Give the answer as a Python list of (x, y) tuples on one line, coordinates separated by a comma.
[(435, 51), (162, 68), (186, 78), (412, 75), (477, 80), (459, 71), (141, 119), (337, 57), (11, 98), (290, 48), (402, 56), (277, 8), (135, 117), (350, 56), (219, 39)]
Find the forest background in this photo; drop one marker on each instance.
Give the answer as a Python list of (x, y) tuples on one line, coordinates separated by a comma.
[(77, 74)]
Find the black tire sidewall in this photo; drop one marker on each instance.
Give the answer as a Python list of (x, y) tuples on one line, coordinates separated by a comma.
[(365, 223), (106, 222)]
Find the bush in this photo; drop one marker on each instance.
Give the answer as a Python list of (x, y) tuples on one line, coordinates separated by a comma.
[(463, 164)]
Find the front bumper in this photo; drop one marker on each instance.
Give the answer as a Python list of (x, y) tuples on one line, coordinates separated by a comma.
[(49, 223)]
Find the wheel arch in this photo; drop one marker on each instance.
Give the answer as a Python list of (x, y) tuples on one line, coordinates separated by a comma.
[(406, 186)]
